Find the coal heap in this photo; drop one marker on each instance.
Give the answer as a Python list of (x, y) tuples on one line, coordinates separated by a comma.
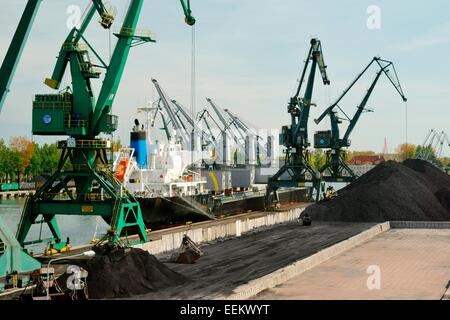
[(414, 190), (127, 272)]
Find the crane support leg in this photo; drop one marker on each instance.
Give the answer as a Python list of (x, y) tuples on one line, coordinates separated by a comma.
[(335, 168), (97, 193)]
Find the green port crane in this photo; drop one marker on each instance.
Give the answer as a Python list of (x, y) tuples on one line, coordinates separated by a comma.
[(335, 169), (297, 169), (76, 113)]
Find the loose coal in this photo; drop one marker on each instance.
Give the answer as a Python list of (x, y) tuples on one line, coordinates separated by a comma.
[(414, 190), (126, 272), (443, 196)]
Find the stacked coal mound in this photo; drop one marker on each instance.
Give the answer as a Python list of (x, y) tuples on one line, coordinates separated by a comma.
[(126, 272), (414, 190)]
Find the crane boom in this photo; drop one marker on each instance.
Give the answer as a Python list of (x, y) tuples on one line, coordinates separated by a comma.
[(189, 119), (316, 56), (186, 5), (173, 118), (246, 129), (73, 39), (335, 168), (107, 18), (360, 108), (211, 134), (218, 113), (126, 37), (184, 113), (225, 123), (71, 42), (383, 64), (236, 125), (318, 120), (165, 125), (16, 47)]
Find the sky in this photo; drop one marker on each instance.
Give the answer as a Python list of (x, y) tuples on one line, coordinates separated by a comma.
[(249, 54)]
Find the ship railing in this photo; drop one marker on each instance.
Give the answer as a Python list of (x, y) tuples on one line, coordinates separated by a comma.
[(92, 197)]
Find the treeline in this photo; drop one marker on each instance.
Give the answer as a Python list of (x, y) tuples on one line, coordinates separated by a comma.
[(402, 152), (23, 160)]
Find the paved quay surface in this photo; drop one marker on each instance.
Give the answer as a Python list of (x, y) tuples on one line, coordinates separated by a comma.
[(413, 264), (229, 263)]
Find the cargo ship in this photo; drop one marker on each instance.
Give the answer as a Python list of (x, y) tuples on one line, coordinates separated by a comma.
[(172, 189)]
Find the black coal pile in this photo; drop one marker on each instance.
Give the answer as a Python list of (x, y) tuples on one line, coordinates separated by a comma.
[(413, 190), (126, 272)]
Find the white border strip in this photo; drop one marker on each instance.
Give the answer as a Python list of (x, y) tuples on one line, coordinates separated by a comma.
[(420, 224)]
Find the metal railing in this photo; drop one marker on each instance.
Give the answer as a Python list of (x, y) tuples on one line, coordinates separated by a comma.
[(91, 144), (88, 67), (92, 197), (131, 32), (85, 144), (71, 123), (70, 46), (64, 105)]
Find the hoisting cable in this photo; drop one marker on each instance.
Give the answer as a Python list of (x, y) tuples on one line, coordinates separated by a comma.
[(406, 125), (193, 139), (193, 97)]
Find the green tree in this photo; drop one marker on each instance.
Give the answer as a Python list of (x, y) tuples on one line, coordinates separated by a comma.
[(317, 158), (11, 163), (426, 153), (26, 157), (35, 162), (3, 155), (26, 150), (406, 151), (49, 157)]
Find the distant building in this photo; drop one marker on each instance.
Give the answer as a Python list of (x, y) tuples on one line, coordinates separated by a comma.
[(371, 159), (362, 164)]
